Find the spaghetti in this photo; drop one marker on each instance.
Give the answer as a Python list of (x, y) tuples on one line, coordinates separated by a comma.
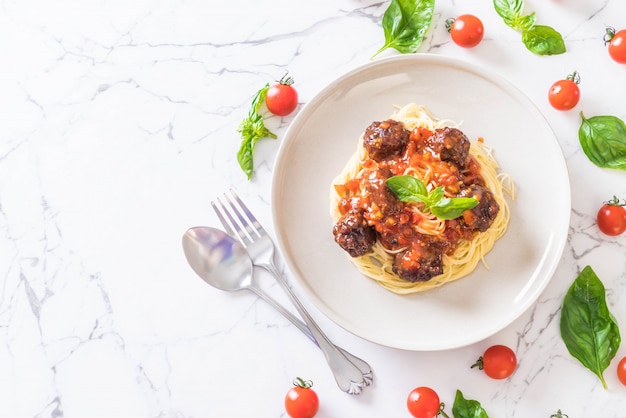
[(402, 245)]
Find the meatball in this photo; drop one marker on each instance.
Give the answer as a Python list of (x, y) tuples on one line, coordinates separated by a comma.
[(482, 215), (419, 263), (381, 199), (353, 234), (385, 139), (451, 145)]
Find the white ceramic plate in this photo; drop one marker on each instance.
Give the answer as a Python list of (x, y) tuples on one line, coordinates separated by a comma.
[(322, 137)]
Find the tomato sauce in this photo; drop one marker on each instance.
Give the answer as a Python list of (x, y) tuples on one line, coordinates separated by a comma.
[(397, 224)]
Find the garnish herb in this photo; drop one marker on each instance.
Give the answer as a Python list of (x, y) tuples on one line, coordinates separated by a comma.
[(411, 189), (467, 408), (405, 23), (543, 40), (252, 128), (559, 414), (603, 139), (588, 329), (539, 39)]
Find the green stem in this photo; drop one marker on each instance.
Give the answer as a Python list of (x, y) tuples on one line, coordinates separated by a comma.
[(441, 412), (479, 363)]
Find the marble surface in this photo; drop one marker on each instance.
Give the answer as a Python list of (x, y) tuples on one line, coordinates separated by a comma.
[(118, 127)]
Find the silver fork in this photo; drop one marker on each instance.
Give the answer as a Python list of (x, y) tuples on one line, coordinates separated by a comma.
[(351, 373)]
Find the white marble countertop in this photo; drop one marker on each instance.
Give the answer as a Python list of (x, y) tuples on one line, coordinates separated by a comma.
[(118, 127)]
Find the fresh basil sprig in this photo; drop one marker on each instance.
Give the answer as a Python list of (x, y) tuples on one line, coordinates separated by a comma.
[(467, 408), (252, 128), (411, 189), (588, 329), (405, 23), (539, 39), (603, 139)]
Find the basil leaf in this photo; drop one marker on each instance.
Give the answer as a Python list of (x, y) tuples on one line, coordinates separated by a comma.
[(451, 208), (435, 196), (411, 189), (258, 98), (467, 408), (588, 329), (603, 139), (405, 23), (252, 128), (543, 40), (509, 10), (407, 188)]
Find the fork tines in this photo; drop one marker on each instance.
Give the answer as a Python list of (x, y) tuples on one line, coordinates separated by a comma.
[(237, 225)]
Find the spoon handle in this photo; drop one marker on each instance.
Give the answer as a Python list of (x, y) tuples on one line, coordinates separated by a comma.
[(363, 366), (347, 375)]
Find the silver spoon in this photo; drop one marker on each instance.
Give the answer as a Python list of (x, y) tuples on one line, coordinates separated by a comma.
[(222, 262)]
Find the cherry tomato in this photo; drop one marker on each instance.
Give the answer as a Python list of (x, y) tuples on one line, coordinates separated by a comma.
[(565, 94), (498, 362), (423, 402), (282, 97), (466, 30), (301, 401), (611, 217), (617, 44), (621, 371)]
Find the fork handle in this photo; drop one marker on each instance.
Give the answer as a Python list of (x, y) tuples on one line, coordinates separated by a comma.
[(363, 366), (347, 375)]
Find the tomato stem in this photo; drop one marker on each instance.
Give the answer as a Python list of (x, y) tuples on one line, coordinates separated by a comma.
[(300, 382), (479, 363), (441, 412), (286, 79), (575, 77), (616, 202), (608, 35), (449, 23)]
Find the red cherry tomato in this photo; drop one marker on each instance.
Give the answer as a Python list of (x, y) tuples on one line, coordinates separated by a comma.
[(282, 98), (466, 30), (621, 371), (617, 44), (423, 402), (301, 401), (611, 217), (498, 362), (565, 94)]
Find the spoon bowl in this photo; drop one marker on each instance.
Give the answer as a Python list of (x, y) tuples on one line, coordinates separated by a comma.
[(217, 258)]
